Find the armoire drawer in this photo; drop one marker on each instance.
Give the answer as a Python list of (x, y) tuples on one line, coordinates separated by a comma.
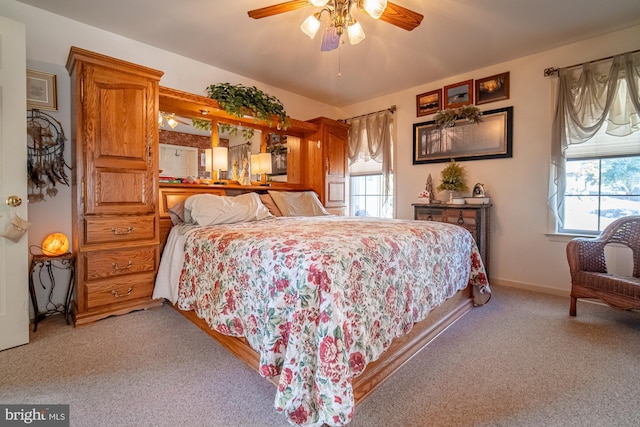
[(120, 289), (119, 229), (103, 264)]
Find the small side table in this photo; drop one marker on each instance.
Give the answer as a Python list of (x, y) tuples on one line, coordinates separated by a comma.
[(48, 263)]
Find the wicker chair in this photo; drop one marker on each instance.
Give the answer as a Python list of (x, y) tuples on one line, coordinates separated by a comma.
[(589, 276)]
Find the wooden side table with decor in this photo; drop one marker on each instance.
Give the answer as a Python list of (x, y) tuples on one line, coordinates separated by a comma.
[(46, 263), (474, 218)]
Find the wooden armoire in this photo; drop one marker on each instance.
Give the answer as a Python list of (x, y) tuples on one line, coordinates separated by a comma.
[(114, 141), (326, 170)]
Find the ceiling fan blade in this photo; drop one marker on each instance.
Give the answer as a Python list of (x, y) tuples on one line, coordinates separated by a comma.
[(276, 9), (401, 17)]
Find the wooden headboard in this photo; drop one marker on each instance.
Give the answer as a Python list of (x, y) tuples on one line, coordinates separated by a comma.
[(172, 194)]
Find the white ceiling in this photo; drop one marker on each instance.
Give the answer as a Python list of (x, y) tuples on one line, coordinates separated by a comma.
[(456, 36)]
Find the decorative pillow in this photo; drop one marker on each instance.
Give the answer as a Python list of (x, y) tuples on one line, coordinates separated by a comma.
[(177, 213), (270, 204), (298, 203), (209, 209)]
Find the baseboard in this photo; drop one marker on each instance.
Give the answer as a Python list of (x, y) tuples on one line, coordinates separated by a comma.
[(530, 287)]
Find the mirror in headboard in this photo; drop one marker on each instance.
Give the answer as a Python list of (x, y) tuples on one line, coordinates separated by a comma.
[(284, 145), (182, 147)]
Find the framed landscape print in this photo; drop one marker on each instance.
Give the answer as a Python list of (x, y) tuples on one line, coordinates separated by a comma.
[(489, 139), (458, 94), (428, 102), (493, 88), (41, 91)]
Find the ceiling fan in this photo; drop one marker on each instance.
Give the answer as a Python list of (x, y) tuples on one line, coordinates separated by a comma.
[(341, 18)]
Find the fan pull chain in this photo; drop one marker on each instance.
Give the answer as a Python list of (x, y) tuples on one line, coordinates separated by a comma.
[(339, 61)]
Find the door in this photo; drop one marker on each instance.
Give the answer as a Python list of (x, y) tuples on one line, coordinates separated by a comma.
[(336, 168), (14, 279), (119, 141)]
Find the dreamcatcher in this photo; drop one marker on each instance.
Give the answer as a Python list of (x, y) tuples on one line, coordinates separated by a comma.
[(45, 155)]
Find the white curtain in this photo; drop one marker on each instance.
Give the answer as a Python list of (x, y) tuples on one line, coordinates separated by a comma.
[(590, 96), (370, 138)]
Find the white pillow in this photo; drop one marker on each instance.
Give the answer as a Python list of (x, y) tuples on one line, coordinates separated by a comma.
[(209, 209), (298, 203)]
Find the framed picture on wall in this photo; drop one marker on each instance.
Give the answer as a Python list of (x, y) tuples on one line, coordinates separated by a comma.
[(458, 94), (41, 91), (493, 88), (428, 102), (490, 139)]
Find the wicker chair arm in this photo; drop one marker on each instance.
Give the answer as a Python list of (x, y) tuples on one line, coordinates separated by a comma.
[(586, 254)]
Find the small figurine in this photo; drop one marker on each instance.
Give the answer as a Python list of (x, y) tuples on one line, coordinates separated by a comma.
[(244, 173), (425, 196), (429, 187), (234, 171)]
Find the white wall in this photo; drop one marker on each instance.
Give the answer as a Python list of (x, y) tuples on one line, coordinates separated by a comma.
[(54, 213), (522, 254)]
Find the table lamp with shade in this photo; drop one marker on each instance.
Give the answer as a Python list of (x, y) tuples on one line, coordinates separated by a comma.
[(261, 166), (217, 158)]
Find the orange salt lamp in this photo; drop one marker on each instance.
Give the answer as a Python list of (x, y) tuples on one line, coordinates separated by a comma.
[(55, 244)]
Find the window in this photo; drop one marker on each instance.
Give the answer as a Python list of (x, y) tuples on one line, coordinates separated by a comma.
[(603, 181), (599, 191), (367, 197), (370, 164)]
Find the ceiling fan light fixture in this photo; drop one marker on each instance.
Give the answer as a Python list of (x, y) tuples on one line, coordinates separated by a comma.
[(355, 33), (375, 8), (311, 25)]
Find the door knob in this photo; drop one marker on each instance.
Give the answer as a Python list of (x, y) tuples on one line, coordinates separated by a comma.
[(13, 201)]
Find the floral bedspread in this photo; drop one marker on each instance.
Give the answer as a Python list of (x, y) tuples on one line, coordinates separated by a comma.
[(318, 298)]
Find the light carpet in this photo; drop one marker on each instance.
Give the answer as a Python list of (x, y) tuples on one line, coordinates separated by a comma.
[(521, 360)]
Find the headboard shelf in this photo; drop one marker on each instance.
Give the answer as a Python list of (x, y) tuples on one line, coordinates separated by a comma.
[(192, 105)]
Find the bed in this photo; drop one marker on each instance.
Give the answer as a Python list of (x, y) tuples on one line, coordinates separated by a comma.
[(325, 307)]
